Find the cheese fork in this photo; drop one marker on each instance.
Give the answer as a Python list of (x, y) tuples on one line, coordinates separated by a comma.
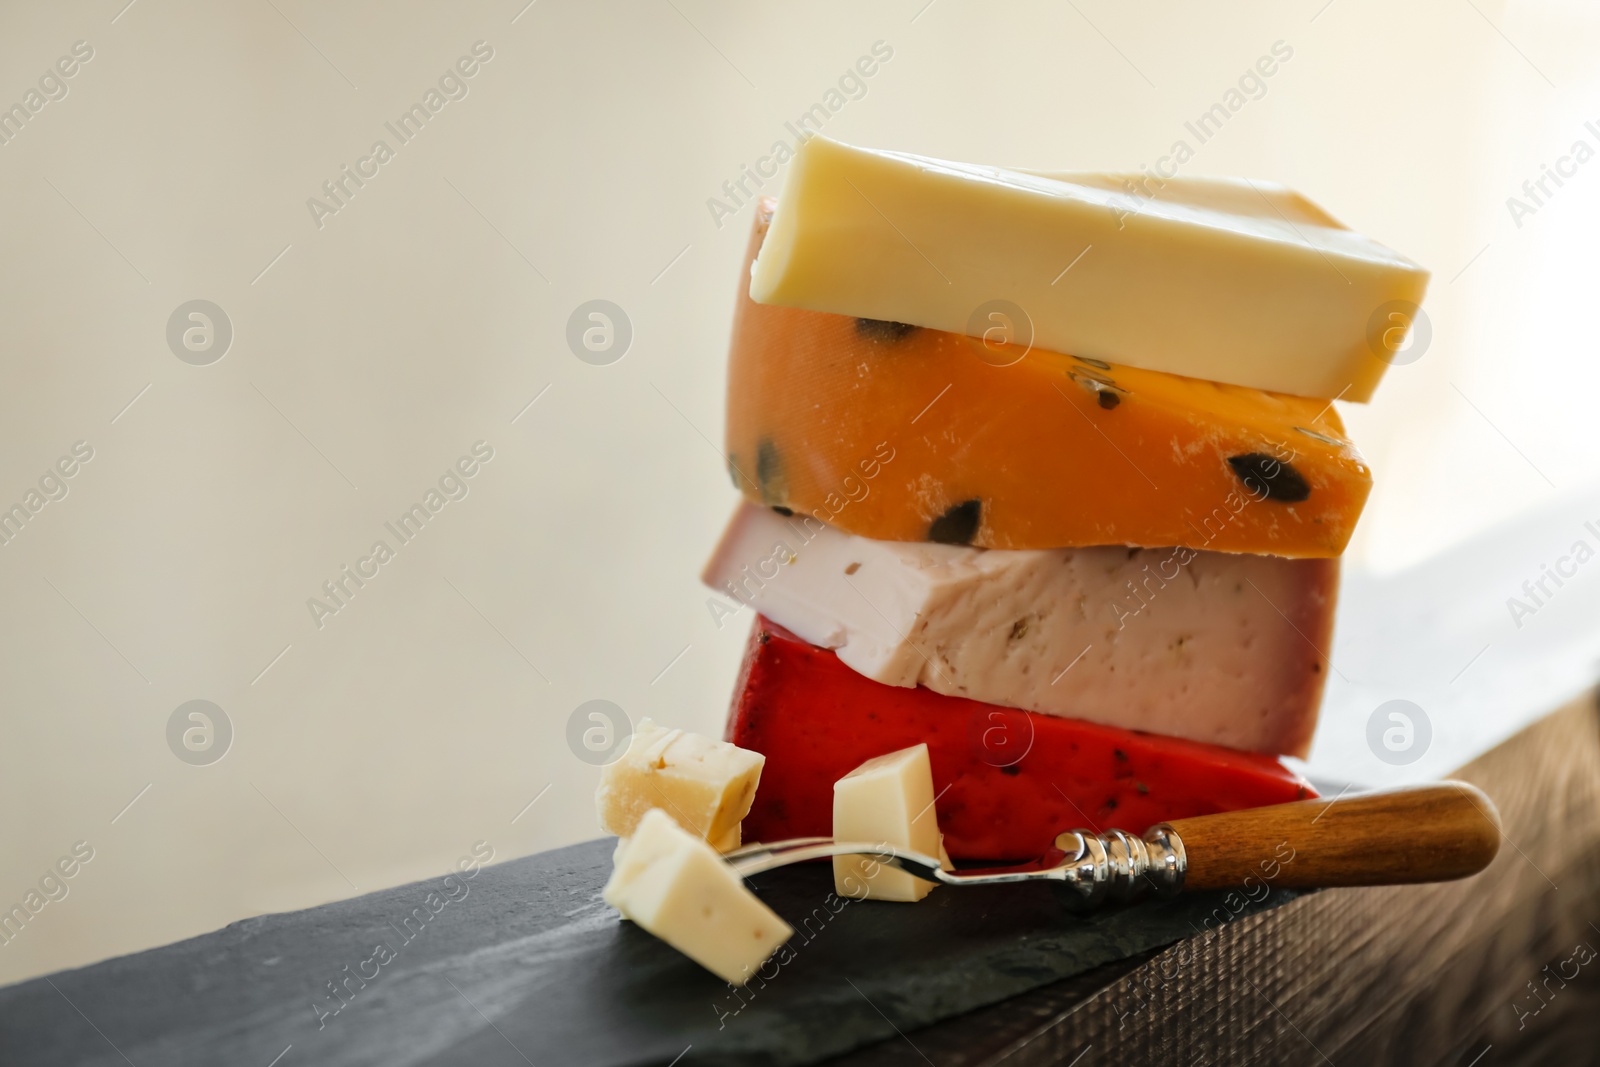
[(1426, 833)]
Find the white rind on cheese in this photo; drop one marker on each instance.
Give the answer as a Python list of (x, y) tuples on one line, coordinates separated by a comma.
[(887, 800), (1214, 647), (675, 886), (1224, 279), (706, 785)]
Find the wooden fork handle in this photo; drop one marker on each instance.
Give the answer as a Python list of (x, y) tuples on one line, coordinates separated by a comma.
[(1426, 833)]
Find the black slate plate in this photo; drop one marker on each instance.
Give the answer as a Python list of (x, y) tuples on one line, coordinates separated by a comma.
[(529, 966)]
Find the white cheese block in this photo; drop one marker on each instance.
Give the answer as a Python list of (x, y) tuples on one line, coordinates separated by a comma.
[(887, 800), (707, 786), (1216, 647), (1224, 279), (675, 886)]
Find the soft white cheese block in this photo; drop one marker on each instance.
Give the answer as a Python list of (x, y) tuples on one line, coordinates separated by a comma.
[(707, 786), (887, 800), (1210, 646), (675, 886), (1224, 279)]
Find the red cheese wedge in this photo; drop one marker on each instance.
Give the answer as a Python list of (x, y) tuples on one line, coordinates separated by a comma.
[(1007, 781)]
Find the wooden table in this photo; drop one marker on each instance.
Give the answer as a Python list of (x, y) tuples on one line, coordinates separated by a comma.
[(1441, 974)]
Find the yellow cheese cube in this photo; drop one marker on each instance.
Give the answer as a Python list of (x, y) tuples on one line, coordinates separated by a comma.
[(675, 886), (887, 800), (706, 786)]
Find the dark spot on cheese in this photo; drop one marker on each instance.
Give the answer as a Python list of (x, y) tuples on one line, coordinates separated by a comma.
[(1100, 363), (1110, 804), (958, 525), (764, 637), (1316, 668), (1143, 789), (1019, 629), (1121, 755), (1107, 393), (1012, 769), (882, 330), (781, 510), (1302, 792), (769, 473), (1267, 477)]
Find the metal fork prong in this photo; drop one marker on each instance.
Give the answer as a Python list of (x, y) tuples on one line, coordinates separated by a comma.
[(753, 859), (1088, 867)]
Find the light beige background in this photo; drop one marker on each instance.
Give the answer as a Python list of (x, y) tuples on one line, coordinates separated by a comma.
[(425, 315)]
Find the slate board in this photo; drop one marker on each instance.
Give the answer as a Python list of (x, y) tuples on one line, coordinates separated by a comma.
[(529, 966)]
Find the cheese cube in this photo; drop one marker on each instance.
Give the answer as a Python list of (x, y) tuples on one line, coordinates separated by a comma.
[(675, 886), (887, 800), (1231, 281), (906, 434), (1210, 646), (706, 786)]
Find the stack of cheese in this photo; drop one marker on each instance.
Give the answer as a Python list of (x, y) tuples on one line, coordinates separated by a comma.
[(1043, 471)]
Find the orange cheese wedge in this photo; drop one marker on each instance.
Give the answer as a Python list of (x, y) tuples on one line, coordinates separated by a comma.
[(908, 434)]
